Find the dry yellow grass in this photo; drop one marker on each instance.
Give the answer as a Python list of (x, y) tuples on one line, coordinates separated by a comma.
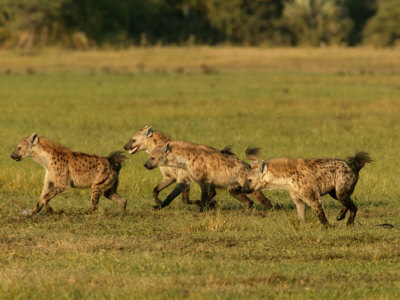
[(291, 102), (204, 59)]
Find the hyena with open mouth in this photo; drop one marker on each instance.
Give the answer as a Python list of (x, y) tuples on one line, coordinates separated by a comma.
[(309, 179), (66, 169), (207, 167), (146, 140)]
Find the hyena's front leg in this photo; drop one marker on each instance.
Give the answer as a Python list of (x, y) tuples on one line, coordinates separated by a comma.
[(179, 188), (312, 198), (167, 181), (205, 195), (238, 194), (262, 199), (300, 206), (186, 196), (50, 190), (211, 201)]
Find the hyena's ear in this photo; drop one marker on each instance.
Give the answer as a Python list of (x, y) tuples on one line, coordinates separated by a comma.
[(34, 139), (263, 167), (148, 131), (167, 148)]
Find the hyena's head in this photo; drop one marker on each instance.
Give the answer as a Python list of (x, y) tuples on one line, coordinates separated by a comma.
[(138, 140), (157, 156), (25, 147), (254, 180)]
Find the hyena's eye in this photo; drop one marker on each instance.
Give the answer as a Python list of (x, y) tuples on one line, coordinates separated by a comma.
[(132, 141), (151, 158), (19, 148), (249, 180)]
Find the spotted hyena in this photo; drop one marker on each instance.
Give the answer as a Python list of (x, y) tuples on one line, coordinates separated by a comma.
[(207, 167), (66, 169), (309, 179), (146, 139)]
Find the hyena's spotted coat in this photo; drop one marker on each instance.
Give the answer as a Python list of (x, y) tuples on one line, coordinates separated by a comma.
[(309, 179), (66, 169), (207, 167)]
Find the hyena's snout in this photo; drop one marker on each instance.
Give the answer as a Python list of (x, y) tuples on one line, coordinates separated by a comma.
[(15, 156), (130, 147), (149, 166), (247, 187)]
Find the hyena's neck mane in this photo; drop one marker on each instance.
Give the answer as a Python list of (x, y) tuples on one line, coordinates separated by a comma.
[(46, 150), (178, 157), (281, 173), (52, 146), (158, 138)]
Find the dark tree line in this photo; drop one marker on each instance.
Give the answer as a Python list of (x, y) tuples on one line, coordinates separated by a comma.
[(120, 23)]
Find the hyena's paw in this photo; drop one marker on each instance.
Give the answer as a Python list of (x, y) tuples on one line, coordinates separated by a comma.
[(212, 204), (90, 211), (249, 204), (350, 222), (342, 214), (157, 207), (328, 225), (49, 210)]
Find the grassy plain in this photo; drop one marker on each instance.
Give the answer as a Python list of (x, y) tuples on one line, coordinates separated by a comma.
[(290, 102)]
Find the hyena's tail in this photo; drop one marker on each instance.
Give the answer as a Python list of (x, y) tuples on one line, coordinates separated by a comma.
[(116, 158), (227, 150), (253, 154), (359, 160)]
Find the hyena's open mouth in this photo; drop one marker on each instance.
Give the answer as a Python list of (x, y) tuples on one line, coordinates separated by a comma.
[(134, 150)]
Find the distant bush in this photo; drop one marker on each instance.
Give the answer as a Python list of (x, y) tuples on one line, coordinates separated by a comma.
[(317, 22), (383, 29), (29, 23), (109, 23), (250, 22)]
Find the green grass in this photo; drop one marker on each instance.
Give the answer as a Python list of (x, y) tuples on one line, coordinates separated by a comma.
[(309, 111)]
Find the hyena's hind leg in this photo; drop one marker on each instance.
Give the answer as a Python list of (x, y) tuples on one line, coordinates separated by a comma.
[(97, 191), (114, 196), (344, 188), (343, 211), (349, 205)]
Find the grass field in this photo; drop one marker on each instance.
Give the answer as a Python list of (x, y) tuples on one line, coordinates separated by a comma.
[(290, 102)]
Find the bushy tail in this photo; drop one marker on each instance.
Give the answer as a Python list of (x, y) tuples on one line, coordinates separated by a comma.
[(227, 150), (253, 154), (116, 158), (358, 161)]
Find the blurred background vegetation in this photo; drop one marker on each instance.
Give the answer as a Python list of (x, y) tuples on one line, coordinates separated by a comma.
[(82, 24)]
